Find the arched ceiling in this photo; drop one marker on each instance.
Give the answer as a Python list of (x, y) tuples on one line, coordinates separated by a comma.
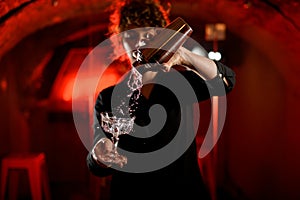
[(25, 17), (272, 26)]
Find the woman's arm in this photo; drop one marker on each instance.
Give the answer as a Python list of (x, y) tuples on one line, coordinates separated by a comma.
[(95, 166), (204, 67), (207, 77)]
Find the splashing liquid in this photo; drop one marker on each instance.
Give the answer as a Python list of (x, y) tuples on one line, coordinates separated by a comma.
[(129, 101)]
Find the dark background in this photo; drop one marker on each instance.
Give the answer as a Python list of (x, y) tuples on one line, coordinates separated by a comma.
[(43, 43)]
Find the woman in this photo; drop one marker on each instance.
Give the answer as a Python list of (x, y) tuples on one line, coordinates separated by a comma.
[(171, 173)]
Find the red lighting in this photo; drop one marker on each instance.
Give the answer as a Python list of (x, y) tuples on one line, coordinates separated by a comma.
[(3, 85), (68, 89), (67, 92)]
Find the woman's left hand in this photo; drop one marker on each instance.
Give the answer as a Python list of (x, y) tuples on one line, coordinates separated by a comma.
[(179, 58)]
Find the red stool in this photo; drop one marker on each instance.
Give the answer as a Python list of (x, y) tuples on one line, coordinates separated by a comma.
[(36, 167)]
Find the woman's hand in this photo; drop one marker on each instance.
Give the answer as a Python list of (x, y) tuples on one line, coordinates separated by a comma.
[(104, 154), (179, 58), (201, 65)]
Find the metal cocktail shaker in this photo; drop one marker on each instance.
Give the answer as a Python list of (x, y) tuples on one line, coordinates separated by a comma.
[(165, 43)]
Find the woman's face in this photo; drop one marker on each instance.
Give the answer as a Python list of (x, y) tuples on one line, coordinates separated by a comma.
[(133, 39)]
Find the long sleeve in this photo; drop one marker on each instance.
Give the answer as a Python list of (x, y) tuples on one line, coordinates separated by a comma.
[(93, 166), (192, 83), (228, 74), (223, 83)]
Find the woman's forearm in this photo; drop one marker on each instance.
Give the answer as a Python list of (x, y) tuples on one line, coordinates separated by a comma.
[(204, 67)]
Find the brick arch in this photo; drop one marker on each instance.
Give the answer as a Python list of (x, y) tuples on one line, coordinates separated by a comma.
[(273, 33), (40, 15)]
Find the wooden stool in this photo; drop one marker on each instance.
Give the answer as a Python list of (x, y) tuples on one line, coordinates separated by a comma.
[(35, 165)]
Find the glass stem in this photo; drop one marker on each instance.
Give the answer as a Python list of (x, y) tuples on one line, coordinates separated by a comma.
[(116, 141)]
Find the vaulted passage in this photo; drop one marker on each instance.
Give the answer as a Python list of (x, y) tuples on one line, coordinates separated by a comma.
[(43, 44)]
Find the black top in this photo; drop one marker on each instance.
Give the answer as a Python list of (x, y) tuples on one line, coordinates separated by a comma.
[(176, 171)]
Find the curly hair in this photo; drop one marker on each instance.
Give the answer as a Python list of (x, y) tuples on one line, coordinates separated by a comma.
[(137, 13)]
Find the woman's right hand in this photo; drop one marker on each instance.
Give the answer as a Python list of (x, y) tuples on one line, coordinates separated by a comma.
[(104, 154)]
